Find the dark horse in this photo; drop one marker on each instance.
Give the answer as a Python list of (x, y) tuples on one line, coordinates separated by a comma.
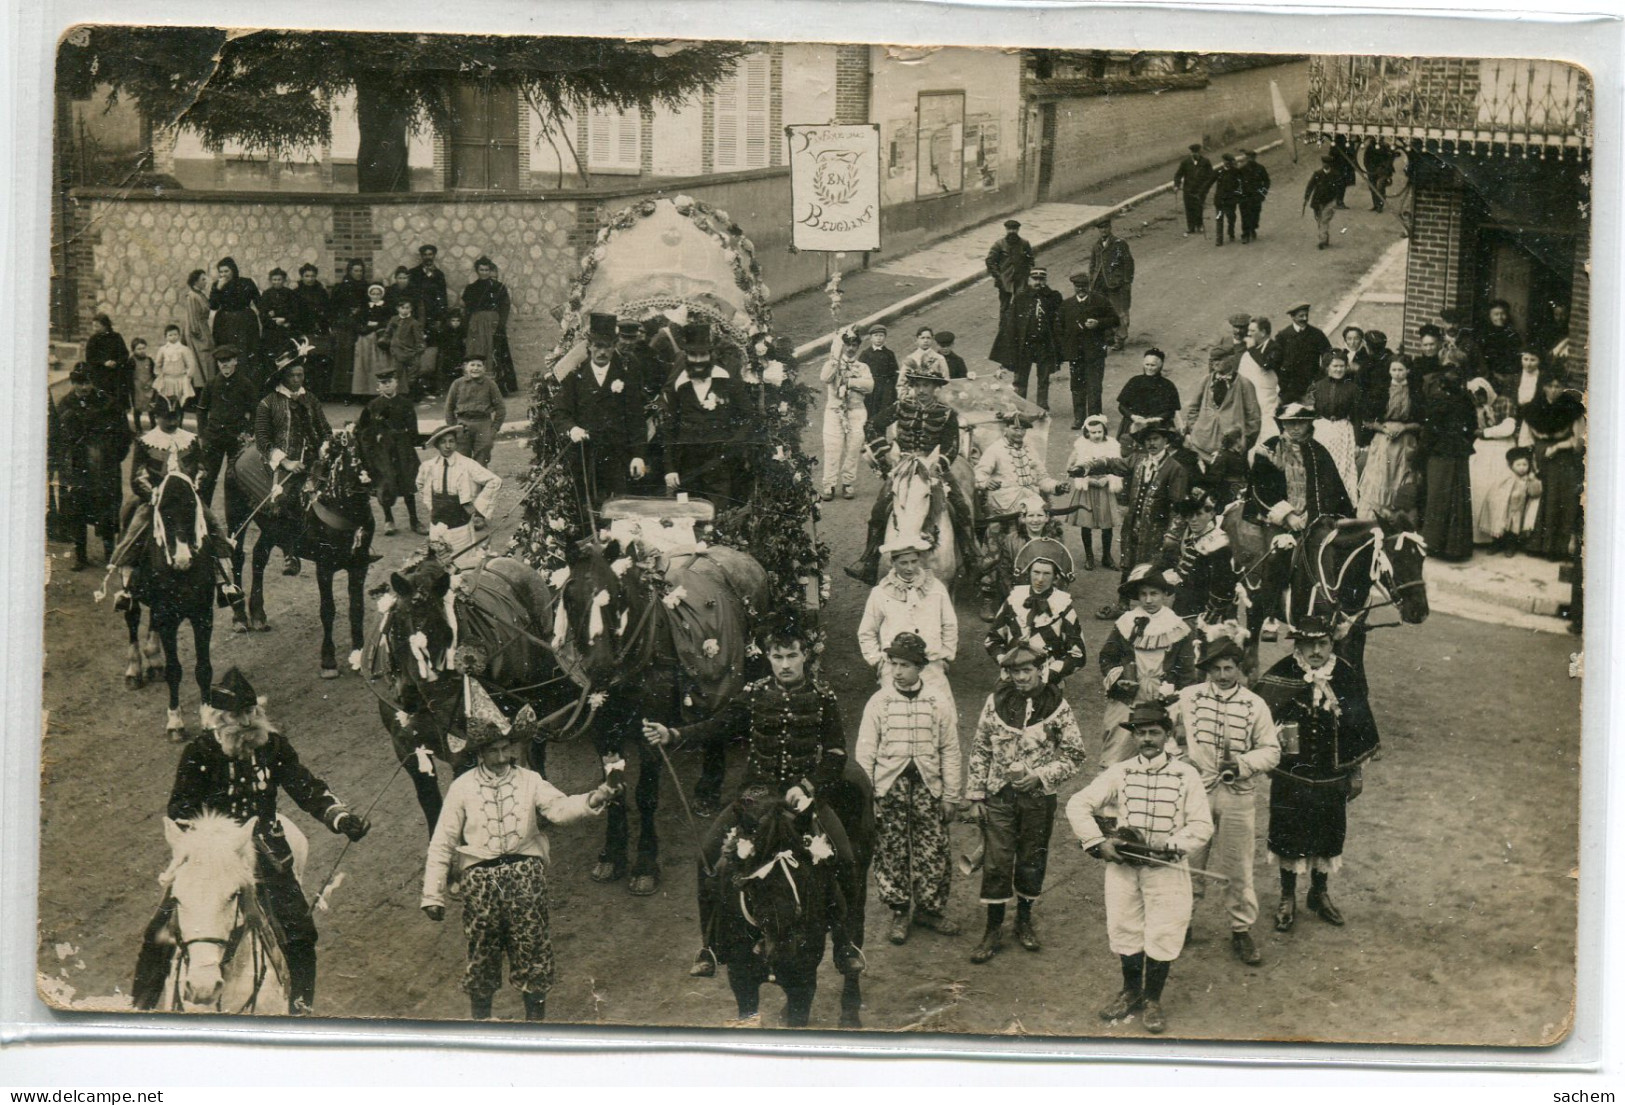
[(774, 914), (174, 579), (491, 630), (1337, 565), (331, 528), (666, 643)]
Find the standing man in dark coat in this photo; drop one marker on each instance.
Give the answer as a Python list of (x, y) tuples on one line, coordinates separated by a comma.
[(88, 440), (706, 422), (1029, 333), (315, 322), (883, 367), (1192, 180), (599, 407), (1227, 192), (236, 770), (642, 365), (225, 417), (1319, 702), (1323, 194), (1255, 185), (426, 284), (1087, 326), (1302, 346), (1111, 265), (1008, 262)]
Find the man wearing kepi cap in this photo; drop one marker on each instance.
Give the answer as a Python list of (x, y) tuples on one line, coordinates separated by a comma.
[(1227, 734), (1327, 734), (1009, 262), (1029, 333), (1162, 816)]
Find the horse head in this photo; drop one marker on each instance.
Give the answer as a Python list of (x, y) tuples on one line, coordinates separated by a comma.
[(340, 472), (597, 593), (1404, 552), (211, 878), (417, 621), (774, 877), (178, 524)]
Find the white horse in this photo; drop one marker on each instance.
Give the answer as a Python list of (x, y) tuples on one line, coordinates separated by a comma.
[(919, 512), (226, 955)]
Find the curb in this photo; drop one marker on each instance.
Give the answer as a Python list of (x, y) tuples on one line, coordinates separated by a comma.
[(822, 343), (1345, 307)]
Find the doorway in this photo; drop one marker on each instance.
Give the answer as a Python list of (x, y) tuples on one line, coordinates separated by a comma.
[(484, 139), (1529, 269), (1046, 149)]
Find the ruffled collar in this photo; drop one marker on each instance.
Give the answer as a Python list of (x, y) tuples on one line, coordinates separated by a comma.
[(1164, 630), (159, 439), (898, 588)]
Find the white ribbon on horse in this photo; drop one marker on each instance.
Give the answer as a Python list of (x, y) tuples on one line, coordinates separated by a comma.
[(783, 861)]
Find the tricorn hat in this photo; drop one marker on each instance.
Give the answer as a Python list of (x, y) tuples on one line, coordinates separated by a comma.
[(163, 408), (601, 327), (1225, 648), (1046, 549), (1147, 713), (234, 693), (909, 647)]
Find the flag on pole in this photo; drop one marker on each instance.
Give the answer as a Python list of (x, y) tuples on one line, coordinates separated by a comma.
[(1283, 119)]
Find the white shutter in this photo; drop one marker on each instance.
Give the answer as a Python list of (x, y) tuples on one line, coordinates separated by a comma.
[(740, 138), (614, 141)]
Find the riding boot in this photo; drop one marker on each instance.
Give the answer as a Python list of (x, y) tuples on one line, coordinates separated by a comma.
[(301, 977), (479, 1008), (1089, 549), (848, 959), (993, 936), (152, 965), (535, 1006), (1106, 560)]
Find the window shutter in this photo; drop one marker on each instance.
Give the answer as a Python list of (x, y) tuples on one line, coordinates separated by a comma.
[(757, 72), (613, 140), (741, 117)]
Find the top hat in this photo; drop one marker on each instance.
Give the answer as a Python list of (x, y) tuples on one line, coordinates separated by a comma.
[(697, 338), (909, 647), (1147, 713), (1225, 648), (1311, 627), (601, 327), (234, 693)]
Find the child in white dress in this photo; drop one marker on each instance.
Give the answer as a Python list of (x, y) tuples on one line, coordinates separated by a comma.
[(1094, 497)]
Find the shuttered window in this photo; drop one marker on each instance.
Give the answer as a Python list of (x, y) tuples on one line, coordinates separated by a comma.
[(740, 132), (614, 140)]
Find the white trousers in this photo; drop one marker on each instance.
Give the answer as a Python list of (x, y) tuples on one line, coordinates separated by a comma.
[(1230, 852), (1148, 910), (843, 445)]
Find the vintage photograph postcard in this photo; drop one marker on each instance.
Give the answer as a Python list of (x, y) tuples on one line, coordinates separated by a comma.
[(751, 535)]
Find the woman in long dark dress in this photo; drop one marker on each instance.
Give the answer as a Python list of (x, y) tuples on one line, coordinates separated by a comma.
[(1393, 418), (486, 303), (1500, 344), (1556, 421), (1449, 424), (234, 299), (1148, 395), (107, 360), (347, 301)]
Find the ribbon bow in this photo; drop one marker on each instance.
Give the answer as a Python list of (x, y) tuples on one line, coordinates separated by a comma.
[(1324, 698)]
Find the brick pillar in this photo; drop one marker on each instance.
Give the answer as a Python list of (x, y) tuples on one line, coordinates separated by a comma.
[(1579, 358), (353, 237), (646, 141), (852, 78), (85, 233), (585, 234), (1436, 263), (708, 133), (775, 104), (442, 162)]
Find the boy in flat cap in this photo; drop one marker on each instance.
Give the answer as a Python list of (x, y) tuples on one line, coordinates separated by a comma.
[(1009, 262)]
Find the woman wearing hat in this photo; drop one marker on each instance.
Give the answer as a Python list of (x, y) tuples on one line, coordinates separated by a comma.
[(1327, 735), (487, 304), (1147, 657), (1148, 906), (1148, 397), (494, 822), (1026, 746), (1040, 609)]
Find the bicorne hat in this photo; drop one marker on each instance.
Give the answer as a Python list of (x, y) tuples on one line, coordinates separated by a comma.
[(234, 693)]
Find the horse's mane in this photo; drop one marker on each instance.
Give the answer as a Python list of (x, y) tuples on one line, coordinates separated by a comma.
[(213, 845)]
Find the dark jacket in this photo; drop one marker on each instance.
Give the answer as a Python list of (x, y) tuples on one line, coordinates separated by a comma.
[(1323, 188), (795, 735), (1194, 175), (1255, 182), (1031, 328), (1226, 188), (1300, 361), (207, 779), (920, 428), (280, 303), (1330, 743), (429, 297), (315, 317), (240, 294), (1079, 342), (1267, 484), (1009, 262), (1112, 263), (294, 424), (225, 409), (613, 419)]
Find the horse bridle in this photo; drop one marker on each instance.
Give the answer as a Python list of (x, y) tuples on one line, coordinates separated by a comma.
[(782, 861), (1382, 571), (228, 949)]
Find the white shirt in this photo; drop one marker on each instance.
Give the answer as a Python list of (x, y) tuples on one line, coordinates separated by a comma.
[(924, 609), (472, 483)]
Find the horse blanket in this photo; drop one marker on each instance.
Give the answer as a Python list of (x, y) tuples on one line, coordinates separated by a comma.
[(504, 607)]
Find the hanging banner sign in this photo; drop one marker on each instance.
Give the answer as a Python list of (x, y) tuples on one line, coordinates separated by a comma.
[(835, 186)]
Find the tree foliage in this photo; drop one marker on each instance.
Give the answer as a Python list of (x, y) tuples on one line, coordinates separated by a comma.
[(271, 90)]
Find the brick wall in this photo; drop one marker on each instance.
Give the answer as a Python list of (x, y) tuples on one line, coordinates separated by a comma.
[(1437, 258), (1098, 138), (775, 104), (1579, 359), (852, 84)]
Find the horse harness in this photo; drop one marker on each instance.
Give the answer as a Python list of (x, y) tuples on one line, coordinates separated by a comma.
[(242, 924), (1382, 570)]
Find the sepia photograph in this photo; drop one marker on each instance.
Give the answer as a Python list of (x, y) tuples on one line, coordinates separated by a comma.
[(911, 539)]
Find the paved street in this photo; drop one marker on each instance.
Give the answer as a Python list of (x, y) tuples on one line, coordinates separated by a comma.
[(1457, 882)]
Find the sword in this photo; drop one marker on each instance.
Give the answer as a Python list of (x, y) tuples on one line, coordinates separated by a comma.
[(1214, 875)]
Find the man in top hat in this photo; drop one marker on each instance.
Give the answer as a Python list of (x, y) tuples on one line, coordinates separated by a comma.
[(88, 438), (1327, 733), (1088, 326), (1112, 264), (908, 746), (1255, 186), (1227, 191), (599, 408), (1323, 194), (1192, 179), (1009, 262), (455, 491), (1302, 347), (1040, 610), (1159, 813), (1027, 744), (1226, 402), (1225, 731), (921, 423), (1030, 332), (225, 427), (290, 429), (236, 769), (707, 416)]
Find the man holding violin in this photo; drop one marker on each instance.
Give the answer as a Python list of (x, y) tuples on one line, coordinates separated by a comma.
[(1164, 816)]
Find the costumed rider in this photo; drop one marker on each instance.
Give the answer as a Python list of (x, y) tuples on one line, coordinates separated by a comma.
[(1162, 815), (1292, 481), (797, 752), (164, 449), (289, 432), (1327, 733), (1203, 564), (921, 423), (494, 822), (1041, 610), (599, 408), (707, 416), (235, 770), (1147, 657), (454, 490), (1027, 744), (1007, 475)]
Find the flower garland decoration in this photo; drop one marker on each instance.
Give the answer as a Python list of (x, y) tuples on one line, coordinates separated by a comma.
[(777, 526)]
